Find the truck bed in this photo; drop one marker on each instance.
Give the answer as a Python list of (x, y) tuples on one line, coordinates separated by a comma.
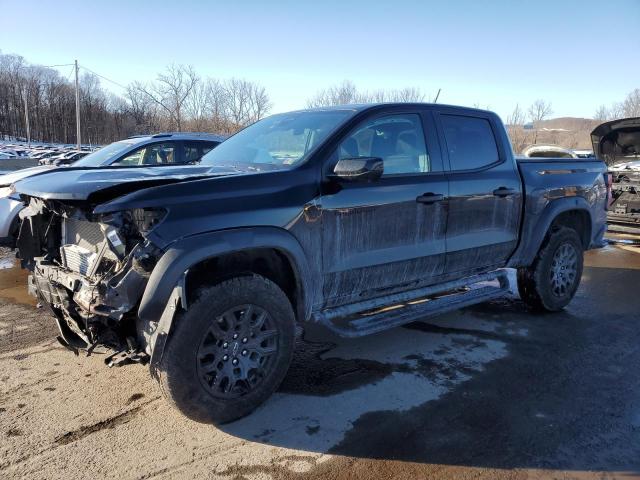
[(545, 180)]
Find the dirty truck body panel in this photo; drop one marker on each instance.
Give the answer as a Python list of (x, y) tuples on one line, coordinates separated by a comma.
[(109, 250)]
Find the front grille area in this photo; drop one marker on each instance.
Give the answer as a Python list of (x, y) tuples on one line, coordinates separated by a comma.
[(87, 235)]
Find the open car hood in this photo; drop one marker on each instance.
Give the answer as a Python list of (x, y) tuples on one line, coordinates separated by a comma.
[(617, 141), (102, 184)]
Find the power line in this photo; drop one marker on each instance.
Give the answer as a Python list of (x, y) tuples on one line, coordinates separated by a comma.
[(103, 77), (61, 65)]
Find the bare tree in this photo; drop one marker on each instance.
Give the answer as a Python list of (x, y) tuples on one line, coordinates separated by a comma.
[(515, 129), (347, 93), (247, 102), (196, 107), (217, 106), (171, 91), (142, 108), (602, 113), (342, 94), (540, 110), (631, 104)]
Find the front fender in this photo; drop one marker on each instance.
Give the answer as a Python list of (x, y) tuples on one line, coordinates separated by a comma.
[(188, 251)]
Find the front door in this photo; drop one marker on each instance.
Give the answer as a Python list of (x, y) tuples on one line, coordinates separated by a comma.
[(388, 234)]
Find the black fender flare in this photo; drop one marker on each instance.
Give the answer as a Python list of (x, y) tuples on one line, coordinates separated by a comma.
[(189, 251), (537, 225)]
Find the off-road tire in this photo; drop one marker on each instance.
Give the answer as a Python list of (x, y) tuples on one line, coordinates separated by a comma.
[(179, 378), (534, 282)]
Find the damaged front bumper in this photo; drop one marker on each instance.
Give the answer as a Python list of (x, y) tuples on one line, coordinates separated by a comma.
[(91, 272)]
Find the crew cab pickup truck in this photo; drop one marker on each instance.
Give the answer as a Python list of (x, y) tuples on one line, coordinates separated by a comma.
[(358, 218)]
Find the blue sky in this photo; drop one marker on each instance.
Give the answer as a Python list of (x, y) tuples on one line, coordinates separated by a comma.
[(478, 52)]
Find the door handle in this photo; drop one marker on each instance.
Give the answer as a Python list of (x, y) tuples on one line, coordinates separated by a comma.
[(504, 192), (429, 198)]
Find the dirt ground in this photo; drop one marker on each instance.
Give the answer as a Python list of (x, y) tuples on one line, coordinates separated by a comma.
[(493, 391)]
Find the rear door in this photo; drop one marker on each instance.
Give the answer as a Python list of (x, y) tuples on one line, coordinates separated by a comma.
[(390, 233), (485, 192)]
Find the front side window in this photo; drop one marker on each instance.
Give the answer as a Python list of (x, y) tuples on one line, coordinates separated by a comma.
[(105, 154), (277, 142), (397, 139), (470, 142), (155, 154)]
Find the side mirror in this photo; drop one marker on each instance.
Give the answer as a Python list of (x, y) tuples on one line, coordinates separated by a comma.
[(360, 169)]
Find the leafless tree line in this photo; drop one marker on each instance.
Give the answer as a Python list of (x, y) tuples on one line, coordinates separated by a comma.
[(629, 107), (177, 100), (347, 93)]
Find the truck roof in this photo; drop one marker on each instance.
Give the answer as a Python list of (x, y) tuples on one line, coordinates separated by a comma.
[(359, 107)]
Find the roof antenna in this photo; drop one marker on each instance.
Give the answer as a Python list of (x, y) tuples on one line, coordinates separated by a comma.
[(435, 100)]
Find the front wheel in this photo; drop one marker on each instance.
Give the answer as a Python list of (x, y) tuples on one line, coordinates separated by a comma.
[(229, 351), (552, 280)]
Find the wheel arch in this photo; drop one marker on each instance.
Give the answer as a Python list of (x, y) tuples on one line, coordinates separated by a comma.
[(571, 212), (263, 248)]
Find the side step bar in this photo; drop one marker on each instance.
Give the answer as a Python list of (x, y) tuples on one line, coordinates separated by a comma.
[(378, 314)]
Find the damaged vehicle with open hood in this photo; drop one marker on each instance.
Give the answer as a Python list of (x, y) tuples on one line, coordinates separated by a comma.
[(357, 218), (617, 143)]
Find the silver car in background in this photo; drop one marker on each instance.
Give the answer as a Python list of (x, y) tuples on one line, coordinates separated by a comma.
[(145, 150)]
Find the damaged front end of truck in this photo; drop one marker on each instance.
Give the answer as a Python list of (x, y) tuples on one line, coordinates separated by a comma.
[(91, 271)]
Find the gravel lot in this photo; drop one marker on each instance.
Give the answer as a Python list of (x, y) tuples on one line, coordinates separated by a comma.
[(493, 391)]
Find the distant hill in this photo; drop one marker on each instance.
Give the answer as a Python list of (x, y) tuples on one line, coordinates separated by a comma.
[(568, 132), (574, 124)]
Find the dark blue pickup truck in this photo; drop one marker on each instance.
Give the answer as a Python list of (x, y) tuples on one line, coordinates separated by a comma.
[(359, 218)]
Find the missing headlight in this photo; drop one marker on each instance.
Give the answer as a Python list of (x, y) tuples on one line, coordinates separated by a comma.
[(146, 219)]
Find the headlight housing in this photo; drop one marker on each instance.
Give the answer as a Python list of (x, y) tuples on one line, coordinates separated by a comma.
[(7, 191), (146, 219)]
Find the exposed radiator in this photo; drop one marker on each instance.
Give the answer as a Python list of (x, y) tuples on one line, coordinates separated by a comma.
[(77, 259), (87, 235), (82, 242)]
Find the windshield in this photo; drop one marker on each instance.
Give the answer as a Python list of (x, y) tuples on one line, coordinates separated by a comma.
[(279, 141), (100, 157)]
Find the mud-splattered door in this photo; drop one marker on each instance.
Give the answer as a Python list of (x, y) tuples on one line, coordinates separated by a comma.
[(389, 233), (485, 195)]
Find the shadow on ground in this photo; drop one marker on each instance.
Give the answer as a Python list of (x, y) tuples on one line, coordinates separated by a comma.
[(492, 386)]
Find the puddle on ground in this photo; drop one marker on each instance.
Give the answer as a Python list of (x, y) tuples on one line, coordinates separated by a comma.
[(614, 256), (13, 283)]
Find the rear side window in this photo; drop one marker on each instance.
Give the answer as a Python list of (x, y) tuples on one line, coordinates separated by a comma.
[(193, 151), (470, 142)]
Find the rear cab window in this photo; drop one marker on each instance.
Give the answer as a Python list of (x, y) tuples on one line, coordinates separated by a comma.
[(470, 142)]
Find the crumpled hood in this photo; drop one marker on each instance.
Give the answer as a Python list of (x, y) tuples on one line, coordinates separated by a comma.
[(107, 183), (9, 178)]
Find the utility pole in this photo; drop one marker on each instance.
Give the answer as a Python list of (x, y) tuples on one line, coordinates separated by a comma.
[(26, 117), (77, 108)]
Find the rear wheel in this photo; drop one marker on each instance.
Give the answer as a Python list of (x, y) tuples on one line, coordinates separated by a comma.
[(229, 351), (552, 280)]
